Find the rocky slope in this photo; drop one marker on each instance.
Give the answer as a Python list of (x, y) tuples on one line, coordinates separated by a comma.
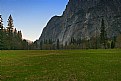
[(82, 19)]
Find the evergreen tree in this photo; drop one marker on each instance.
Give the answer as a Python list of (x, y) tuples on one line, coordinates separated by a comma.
[(10, 33), (58, 45), (17, 39), (1, 23), (25, 45), (20, 34), (41, 44), (103, 34), (50, 41), (1, 33), (112, 44), (10, 25)]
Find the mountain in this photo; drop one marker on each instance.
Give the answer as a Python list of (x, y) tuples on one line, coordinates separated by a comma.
[(82, 19)]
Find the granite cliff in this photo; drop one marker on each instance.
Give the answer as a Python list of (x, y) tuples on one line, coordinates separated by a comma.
[(82, 19)]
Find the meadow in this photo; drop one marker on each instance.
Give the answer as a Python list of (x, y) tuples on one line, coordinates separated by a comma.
[(60, 65)]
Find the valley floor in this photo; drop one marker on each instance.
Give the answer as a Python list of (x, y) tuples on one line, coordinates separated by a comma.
[(60, 65)]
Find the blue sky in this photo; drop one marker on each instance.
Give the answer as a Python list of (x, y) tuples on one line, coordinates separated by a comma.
[(31, 16)]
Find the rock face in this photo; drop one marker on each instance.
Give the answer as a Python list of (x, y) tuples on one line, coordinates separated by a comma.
[(82, 19)]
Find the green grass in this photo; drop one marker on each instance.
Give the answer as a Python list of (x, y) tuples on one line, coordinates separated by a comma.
[(61, 65)]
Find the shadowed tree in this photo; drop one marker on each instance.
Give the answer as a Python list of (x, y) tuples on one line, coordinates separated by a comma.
[(10, 33), (25, 45), (1, 23), (41, 44), (10, 25), (58, 45), (103, 34), (1, 34)]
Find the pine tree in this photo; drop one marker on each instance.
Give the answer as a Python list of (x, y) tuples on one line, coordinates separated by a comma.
[(10, 32), (10, 24), (103, 34), (20, 35), (15, 32), (1, 23), (1, 33)]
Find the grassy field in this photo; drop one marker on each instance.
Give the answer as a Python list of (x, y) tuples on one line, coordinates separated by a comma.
[(61, 65)]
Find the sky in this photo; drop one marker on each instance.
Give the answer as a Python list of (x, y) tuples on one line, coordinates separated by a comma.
[(31, 16)]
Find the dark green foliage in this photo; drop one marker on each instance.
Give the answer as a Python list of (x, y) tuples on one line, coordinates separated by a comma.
[(1, 33), (103, 34), (58, 44), (25, 45), (10, 38), (50, 41), (41, 44), (112, 44), (92, 43), (73, 40)]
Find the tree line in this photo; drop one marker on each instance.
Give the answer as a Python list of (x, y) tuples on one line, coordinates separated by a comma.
[(10, 38)]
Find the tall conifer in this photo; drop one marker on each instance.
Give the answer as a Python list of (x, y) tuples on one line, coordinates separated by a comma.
[(103, 34)]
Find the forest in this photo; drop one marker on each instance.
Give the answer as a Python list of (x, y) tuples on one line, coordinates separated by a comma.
[(10, 38)]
